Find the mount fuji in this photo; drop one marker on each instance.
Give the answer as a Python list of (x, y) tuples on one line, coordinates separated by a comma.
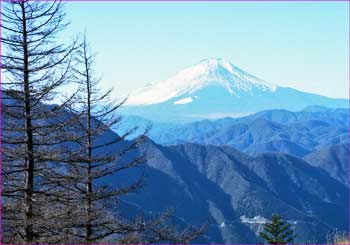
[(215, 88)]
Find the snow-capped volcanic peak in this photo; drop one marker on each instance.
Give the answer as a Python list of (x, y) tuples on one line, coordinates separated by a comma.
[(209, 72)]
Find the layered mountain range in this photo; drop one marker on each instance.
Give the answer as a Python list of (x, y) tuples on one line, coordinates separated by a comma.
[(238, 192), (234, 148), (296, 133), (288, 156)]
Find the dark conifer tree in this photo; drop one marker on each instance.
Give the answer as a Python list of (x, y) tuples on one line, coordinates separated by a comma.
[(277, 232)]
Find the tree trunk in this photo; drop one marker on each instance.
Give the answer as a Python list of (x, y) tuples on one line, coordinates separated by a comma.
[(29, 161), (89, 152)]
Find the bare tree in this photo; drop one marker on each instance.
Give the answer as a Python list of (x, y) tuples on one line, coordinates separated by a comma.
[(99, 154), (34, 67), (57, 152), (102, 154)]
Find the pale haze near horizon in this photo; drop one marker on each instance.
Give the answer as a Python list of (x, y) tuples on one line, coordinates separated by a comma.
[(303, 45)]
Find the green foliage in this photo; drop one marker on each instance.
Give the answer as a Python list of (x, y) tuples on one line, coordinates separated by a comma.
[(277, 232)]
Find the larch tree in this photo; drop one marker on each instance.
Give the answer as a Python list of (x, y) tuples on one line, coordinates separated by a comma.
[(103, 154), (97, 154), (58, 151), (34, 67)]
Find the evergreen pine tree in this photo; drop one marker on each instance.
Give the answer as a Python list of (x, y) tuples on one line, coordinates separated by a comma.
[(277, 232)]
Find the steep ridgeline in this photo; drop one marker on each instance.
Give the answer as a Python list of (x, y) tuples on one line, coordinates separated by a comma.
[(237, 192), (295, 133), (215, 88), (334, 160)]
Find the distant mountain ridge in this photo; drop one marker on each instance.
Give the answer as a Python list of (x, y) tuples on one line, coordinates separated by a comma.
[(296, 133), (235, 191), (215, 88), (334, 160)]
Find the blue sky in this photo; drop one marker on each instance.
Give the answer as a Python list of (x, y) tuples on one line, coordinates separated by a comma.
[(303, 45)]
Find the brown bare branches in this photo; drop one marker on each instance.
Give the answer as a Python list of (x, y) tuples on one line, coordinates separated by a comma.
[(57, 150)]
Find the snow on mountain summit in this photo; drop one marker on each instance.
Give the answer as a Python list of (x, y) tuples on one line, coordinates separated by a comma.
[(209, 72)]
